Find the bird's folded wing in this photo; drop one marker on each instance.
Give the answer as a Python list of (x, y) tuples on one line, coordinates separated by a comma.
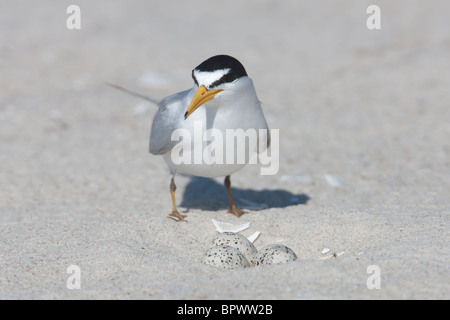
[(165, 122)]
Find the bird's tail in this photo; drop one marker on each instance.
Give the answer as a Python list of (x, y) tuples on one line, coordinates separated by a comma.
[(151, 99)]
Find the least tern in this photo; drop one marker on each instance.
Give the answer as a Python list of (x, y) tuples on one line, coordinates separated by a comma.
[(223, 98)]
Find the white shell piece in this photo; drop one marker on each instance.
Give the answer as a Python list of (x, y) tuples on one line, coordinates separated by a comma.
[(229, 227), (254, 236), (333, 181)]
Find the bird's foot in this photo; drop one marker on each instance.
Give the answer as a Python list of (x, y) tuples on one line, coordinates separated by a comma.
[(237, 212), (176, 216)]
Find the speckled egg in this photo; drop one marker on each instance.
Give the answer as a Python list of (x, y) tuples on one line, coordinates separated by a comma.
[(225, 257), (275, 254), (239, 242)]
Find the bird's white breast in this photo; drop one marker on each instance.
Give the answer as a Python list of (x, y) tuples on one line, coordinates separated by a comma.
[(221, 116)]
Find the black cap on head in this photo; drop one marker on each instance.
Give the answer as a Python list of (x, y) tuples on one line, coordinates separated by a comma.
[(221, 62)]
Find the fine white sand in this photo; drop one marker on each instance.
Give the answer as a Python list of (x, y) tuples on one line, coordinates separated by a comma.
[(364, 149)]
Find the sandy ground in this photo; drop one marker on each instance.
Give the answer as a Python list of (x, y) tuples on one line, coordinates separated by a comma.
[(368, 108)]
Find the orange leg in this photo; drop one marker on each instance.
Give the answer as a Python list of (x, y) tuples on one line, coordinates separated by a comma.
[(175, 215), (237, 212)]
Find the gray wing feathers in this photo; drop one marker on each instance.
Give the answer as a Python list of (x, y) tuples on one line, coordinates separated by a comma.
[(164, 123)]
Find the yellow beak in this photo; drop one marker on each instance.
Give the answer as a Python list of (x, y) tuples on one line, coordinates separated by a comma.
[(202, 96)]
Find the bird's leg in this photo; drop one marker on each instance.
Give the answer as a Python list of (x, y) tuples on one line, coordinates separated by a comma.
[(237, 212), (175, 215)]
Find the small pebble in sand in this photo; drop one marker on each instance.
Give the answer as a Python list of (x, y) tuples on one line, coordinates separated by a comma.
[(237, 241), (225, 257), (333, 181), (275, 254)]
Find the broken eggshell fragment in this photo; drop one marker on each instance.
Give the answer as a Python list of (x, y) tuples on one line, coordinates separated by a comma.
[(226, 257), (275, 254), (239, 242)]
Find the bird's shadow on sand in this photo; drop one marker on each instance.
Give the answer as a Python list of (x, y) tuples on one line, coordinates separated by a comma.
[(208, 194)]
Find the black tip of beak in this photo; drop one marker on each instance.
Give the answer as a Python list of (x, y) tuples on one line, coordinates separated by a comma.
[(185, 115)]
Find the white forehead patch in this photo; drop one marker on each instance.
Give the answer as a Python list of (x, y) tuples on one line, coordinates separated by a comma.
[(207, 78)]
